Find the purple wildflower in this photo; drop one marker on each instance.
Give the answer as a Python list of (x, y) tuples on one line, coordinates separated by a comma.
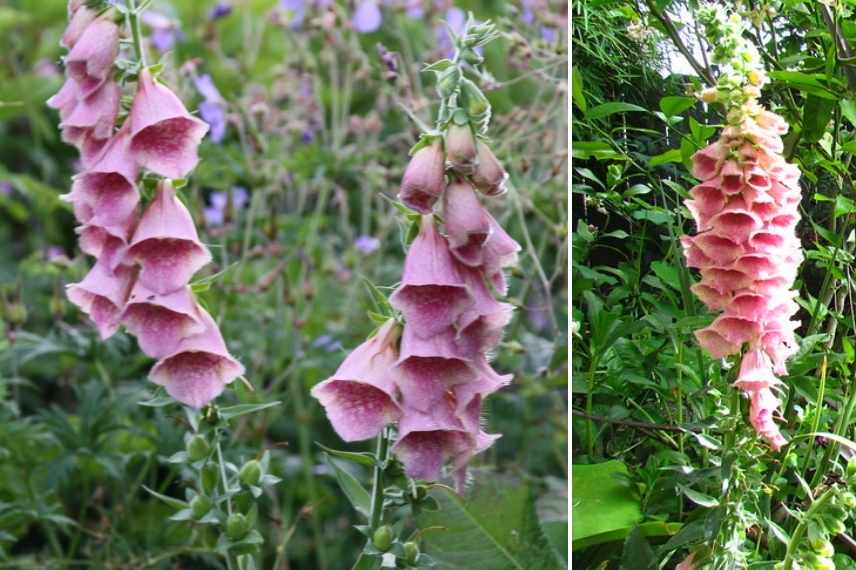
[(549, 34), (215, 214), (212, 109), (456, 19), (414, 9), (295, 10), (367, 244), (165, 32), (221, 10), (328, 343), (367, 17), (6, 188)]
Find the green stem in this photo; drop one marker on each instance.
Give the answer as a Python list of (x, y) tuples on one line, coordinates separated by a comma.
[(133, 18), (376, 513), (589, 406), (796, 538)]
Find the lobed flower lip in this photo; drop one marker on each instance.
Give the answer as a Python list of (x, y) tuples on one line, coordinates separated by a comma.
[(432, 294), (479, 328), (166, 244), (90, 61), (164, 136), (101, 295), (199, 367), (94, 114), (107, 242), (360, 397), (160, 322)]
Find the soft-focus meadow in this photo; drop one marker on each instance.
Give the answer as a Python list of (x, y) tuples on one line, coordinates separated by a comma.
[(308, 107)]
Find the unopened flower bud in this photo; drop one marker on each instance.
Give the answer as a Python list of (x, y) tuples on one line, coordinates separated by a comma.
[(476, 102), (489, 176), (754, 77), (199, 506), (382, 538), (411, 552), (823, 547), (710, 95), (198, 448), (236, 526), (16, 313), (250, 473), (751, 91), (460, 148), (424, 179), (472, 57)]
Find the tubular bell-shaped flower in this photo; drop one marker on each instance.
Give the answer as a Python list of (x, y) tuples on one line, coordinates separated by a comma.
[(164, 136), (467, 224), (360, 397), (90, 61), (102, 295), (160, 322), (424, 179)]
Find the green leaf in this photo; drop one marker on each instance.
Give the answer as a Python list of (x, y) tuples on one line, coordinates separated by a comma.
[(667, 273), (813, 84), (599, 150), (367, 562), (230, 412), (843, 206), (817, 112), (354, 491), (637, 553), (607, 109), (849, 147), (602, 502), (495, 528), (676, 104), (848, 109), (577, 90), (168, 500), (360, 458), (673, 155), (700, 499)]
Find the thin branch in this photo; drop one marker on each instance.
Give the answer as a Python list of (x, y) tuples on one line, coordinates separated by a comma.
[(841, 45), (672, 32)]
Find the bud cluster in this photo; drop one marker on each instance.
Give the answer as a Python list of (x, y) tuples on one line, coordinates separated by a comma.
[(143, 262)]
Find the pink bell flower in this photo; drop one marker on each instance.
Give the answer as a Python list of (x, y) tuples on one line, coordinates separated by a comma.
[(164, 136), (101, 295), (95, 115), (467, 224), (424, 179), (160, 322), (166, 244), (479, 328), (107, 242), (90, 61), (432, 294), (360, 397), (500, 252), (762, 406), (198, 369), (79, 20), (489, 176), (65, 100)]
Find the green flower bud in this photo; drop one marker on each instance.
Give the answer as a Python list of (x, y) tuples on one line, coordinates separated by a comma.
[(411, 552), (199, 506), (382, 538), (851, 468), (210, 476), (16, 313), (198, 448), (250, 473), (848, 499), (236, 526), (447, 81), (476, 102), (472, 57)]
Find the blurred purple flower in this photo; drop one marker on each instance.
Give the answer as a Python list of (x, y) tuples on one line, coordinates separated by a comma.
[(6, 188), (456, 19), (212, 109), (165, 32), (296, 11), (308, 135), (414, 9), (328, 343), (528, 14), (549, 34), (215, 214), (367, 244), (55, 253), (221, 10), (46, 68), (367, 17)]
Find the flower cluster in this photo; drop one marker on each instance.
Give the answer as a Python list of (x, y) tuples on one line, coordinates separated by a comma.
[(143, 263), (433, 381), (746, 212)]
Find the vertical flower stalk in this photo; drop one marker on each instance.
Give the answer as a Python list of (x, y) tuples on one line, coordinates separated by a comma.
[(746, 211), (426, 370), (145, 254)]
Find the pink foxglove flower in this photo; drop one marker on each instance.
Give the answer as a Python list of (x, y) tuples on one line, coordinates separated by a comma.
[(79, 19), (500, 252), (198, 368), (489, 176), (745, 210), (90, 61), (164, 136), (360, 397), (160, 322), (166, 243), (65, 100), (105, 194), (102, 295), (686, 563), (467, 224), (107, 242), (432, 294), (94, 115), (486, 382), (479, 328), (461, 153), (424, 179)]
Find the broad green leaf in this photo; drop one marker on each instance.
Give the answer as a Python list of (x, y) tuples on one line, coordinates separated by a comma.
[(667, 273), (673, 155), (354, 491), (600, 150), (577, 90), (848, 109), (367, 562), (495, 528), (637, 553), (849, 147), (676, 104), (607, 109), (602, 502), (813, 84), (817, 112), (700, 499), (843, 206)]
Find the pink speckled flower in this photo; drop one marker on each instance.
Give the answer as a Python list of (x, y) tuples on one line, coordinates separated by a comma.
[(101, 295), (94, 115), (198, 368), (90, 61), (424, 178), (467, 224), (432, 294), (160, 322), (166, 243), (360, 397), (745, 210), (164, 136)]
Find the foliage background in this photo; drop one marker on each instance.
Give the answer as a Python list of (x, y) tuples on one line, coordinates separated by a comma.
[(317, 135)]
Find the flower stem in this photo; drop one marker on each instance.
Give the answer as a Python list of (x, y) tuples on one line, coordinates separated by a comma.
[(796, 538), (133, 17), (376, 513)]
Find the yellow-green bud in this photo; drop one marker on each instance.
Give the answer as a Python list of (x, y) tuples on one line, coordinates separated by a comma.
[(198, 448), (199, 506), (411, 551), (382, 538), (236, 526), (251, 472)]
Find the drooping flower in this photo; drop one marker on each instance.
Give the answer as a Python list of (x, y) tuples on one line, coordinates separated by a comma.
[(101, 295), (107, 242), (461, 152), (94, 115), (199, 367), (500, 252), (79, 19), (90, 61), (160, 322), (424, 179), (164, 136), (479, 328), (432, 294), (489, 176), (166, 244), (360, 397), (467, 223)]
